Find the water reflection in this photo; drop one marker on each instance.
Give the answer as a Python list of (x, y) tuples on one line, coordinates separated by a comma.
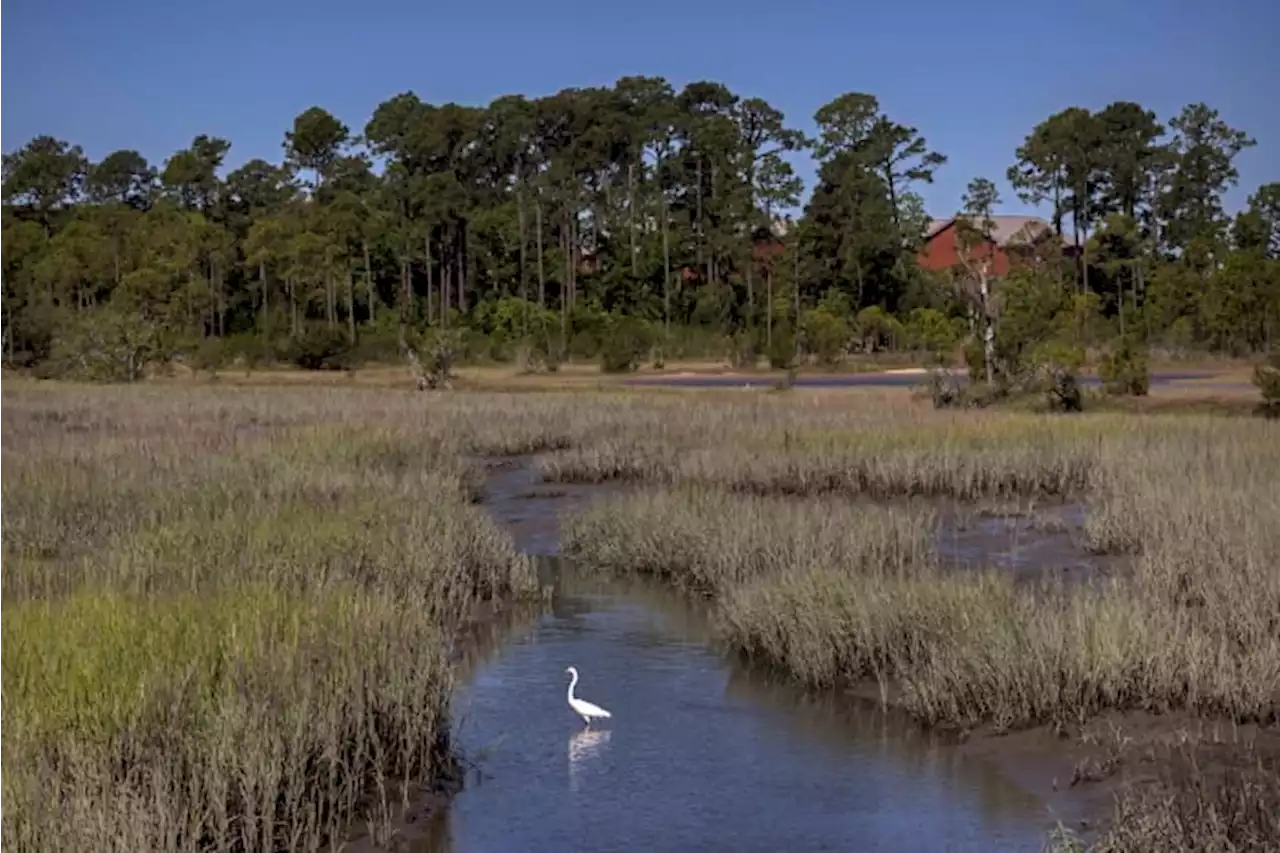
[(843, 723), (586, 748), (702, 755)]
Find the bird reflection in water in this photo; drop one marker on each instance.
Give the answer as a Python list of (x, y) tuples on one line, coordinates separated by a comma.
[(585, 747)]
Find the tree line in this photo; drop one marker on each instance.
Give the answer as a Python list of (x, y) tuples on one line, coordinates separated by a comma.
[(633, 216)]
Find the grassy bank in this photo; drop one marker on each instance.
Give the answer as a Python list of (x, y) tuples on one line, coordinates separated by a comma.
[(228, 618)]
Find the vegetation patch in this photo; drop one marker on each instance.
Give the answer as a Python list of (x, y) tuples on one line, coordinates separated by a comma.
[(228, 620)]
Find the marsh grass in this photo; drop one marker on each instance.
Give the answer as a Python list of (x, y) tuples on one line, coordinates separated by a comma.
[(811, 588), (229, 618), (833, 591), (880, 449), (223, 551), (1191, 805), (709, 543)]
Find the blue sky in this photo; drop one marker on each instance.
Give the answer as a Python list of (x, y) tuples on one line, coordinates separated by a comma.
[(974, 77)]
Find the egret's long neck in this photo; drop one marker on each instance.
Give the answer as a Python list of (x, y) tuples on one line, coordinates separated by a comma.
[(572, 681)]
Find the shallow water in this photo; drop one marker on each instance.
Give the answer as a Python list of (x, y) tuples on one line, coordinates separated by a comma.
[(700, 755), (529, 509), (889, 380), (1030, 543)]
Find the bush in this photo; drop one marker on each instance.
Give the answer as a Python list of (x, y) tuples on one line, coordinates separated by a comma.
[(826, 329), (247, 349), (943, 389), (321, 348), (624, 345), (930, 330), (108, 344), (782, 349), (878, 330), (1123, 371), (744, 352), (1055, 366), (208, 354), (1267, 377), (432, 356)]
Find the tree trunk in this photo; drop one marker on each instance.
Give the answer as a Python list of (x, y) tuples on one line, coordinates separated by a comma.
[(751, 243), (368, 280), (464, 262), (431, 277), (542, 272), (796, 288), (666, 263), (446, 283), (8, 316), (698, 190), (711, 249), (524, 277), (768, 307), (893, 194), (631, 211), (262, 285), (988, 326), (406, 303), (564, 294), (351, 305), (331, 299)]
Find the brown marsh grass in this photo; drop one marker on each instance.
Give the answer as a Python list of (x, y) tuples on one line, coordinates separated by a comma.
[(263, 580), (229, 616), (1194, 626), (836, 591), (1191, 805)]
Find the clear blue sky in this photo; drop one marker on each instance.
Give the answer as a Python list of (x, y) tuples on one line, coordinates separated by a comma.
[(974, 77)]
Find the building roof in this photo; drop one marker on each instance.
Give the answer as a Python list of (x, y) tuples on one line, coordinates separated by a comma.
[(1008, 229)]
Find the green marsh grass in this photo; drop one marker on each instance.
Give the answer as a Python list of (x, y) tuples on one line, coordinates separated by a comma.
[(229, 617)]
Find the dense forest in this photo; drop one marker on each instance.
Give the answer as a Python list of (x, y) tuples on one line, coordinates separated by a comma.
[(633, 216)]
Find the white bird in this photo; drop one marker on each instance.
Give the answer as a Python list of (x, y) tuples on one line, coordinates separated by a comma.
[(581, 707)]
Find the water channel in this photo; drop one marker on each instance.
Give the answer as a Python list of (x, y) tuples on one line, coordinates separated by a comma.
[(700, 754)]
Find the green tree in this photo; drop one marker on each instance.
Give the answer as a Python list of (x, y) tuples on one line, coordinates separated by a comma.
[(1203, 151)]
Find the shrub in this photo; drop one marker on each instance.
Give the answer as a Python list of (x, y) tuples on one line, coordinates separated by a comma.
[(321, 348), (782, 349), (826, 329), (745, 349), (248, 349), (108, 344), (1123, 370), (208, 354), (931, 331), (943, 389), (877, 330), (1267, 377), (1055, 366), (625, 343)]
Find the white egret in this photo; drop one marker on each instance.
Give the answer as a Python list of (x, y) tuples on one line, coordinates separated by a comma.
[(581, 707)]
